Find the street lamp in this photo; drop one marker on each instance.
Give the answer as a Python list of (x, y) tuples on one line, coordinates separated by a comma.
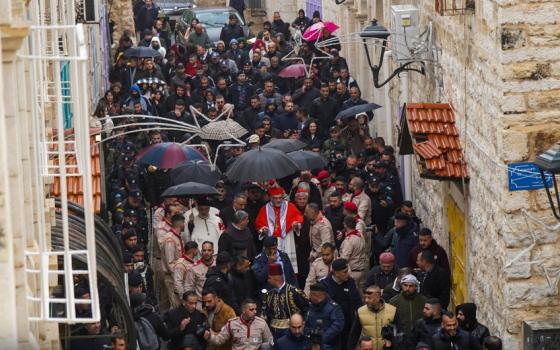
[(379, 32), (550, 161)]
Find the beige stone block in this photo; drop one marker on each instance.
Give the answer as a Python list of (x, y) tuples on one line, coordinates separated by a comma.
[(530, 13), (542, 100), (521, 70), (518, 269), (534, 292), (514, 146), (514, 103)]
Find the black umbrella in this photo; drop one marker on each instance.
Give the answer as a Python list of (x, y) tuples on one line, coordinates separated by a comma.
[(352, 111), (261, 164), (188, 189), (285, 145), (194, 170), (142, 52), (307, 160)]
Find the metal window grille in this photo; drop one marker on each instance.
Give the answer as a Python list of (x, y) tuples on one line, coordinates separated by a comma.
[(454, 7), (57, 54)]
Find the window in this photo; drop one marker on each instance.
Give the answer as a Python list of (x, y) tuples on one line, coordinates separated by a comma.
[(454, 7), (216, 19)]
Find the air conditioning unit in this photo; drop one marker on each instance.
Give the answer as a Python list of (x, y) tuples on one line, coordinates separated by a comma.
[(405, 28), (541, 335)]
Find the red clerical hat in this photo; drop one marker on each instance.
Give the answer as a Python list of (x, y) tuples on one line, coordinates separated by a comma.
[(275, 191), (351, 206), (274, 269)]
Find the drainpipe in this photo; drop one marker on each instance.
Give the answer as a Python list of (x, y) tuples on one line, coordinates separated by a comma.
[(406, 160), (387, 101)]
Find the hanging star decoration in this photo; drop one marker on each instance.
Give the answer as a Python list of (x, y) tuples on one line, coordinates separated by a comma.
[(296, 52)]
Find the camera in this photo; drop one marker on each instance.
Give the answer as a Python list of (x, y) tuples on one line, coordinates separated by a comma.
[(316, 334), (388, 332), (201, 329)]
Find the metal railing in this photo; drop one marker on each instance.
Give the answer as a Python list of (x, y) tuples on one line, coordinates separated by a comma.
[(53, 42)]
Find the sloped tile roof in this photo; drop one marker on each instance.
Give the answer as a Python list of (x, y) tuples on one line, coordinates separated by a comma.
[(436, 141)]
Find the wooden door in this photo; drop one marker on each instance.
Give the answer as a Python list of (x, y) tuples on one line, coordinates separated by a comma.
[(456, 226)]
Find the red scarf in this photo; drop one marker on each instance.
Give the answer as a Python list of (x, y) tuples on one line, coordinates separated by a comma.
[(247, 324), (356, 194), (353, 233), (204, 262)]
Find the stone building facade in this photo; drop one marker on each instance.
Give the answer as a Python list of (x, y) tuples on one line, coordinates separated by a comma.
[(26, 208), (500, 69)]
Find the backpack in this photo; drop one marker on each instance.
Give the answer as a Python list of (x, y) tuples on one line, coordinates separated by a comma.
[(146, 335)]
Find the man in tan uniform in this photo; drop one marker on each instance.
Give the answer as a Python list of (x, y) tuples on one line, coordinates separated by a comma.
[(161, 233), (353, 249), (171, 251), (196, 276), (246, 332), (358, 196), (321, 267), (183, 265), (320, 230)]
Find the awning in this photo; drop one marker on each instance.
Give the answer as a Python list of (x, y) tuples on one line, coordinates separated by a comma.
[(435, 140)]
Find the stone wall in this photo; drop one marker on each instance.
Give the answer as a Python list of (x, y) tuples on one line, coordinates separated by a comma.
[(500, 68)]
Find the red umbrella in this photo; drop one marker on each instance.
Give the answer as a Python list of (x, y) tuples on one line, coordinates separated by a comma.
[(167, 155), (315, 32), (293, 71)]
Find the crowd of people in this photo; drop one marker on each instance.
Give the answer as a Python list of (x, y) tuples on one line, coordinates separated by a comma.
[(331, 258)]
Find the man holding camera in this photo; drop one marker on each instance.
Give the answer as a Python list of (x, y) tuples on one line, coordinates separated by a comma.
[(325, 320), (187, 318), (371, 318), (218, 313)]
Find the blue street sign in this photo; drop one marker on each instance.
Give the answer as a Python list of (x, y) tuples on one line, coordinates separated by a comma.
[(526, 176)]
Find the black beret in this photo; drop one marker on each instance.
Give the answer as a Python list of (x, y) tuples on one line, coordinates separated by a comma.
[(318, 287), (339, 264)]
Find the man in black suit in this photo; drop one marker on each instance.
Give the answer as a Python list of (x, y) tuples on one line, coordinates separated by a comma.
[(187, 317), (434, 281)]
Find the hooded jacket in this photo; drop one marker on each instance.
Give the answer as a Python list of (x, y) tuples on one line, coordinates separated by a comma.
[(220, 282), (461, 341), (470, 324)]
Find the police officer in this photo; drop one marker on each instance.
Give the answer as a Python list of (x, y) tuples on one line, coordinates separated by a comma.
[(382, 204), (324, 320)]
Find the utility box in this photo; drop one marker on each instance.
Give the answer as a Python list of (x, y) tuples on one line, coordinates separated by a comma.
[(541, 335), (405, 30)]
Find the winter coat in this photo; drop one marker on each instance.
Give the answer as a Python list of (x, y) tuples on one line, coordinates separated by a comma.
[(440, 256), (461, 341), (289, 342), (333, 323), (369, 323), (409, 309), (231, 32), (377, 277), (173, 320), (150, 314), (260, 268), (424, 329), (222, 314), (404, 239), (436, 284), (470, 324), (220, 282), (346, 295)]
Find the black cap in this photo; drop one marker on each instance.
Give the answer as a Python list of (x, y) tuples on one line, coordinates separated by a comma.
[(137, 299), (339, 264), (380, 165), (223, 258), (135, 279), (127, 258), (131, 212), (318, 287), (203, 202), (129, 224), (129, 232), (373, 180), (402, 216), (135, 194), (270, 241)]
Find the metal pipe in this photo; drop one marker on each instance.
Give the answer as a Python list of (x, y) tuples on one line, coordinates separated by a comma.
[(407, 160), (387, 101)]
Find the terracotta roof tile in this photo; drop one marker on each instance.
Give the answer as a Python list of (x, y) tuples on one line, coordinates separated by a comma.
[(436, 123), (75, 184)]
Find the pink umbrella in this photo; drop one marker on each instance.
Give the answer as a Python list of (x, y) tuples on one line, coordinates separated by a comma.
[(315, 32), (293, 71)]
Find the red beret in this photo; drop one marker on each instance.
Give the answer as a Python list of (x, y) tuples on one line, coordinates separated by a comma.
[(323, 174), (351, 206), (301, 190), (275, 191), (274, 269)]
